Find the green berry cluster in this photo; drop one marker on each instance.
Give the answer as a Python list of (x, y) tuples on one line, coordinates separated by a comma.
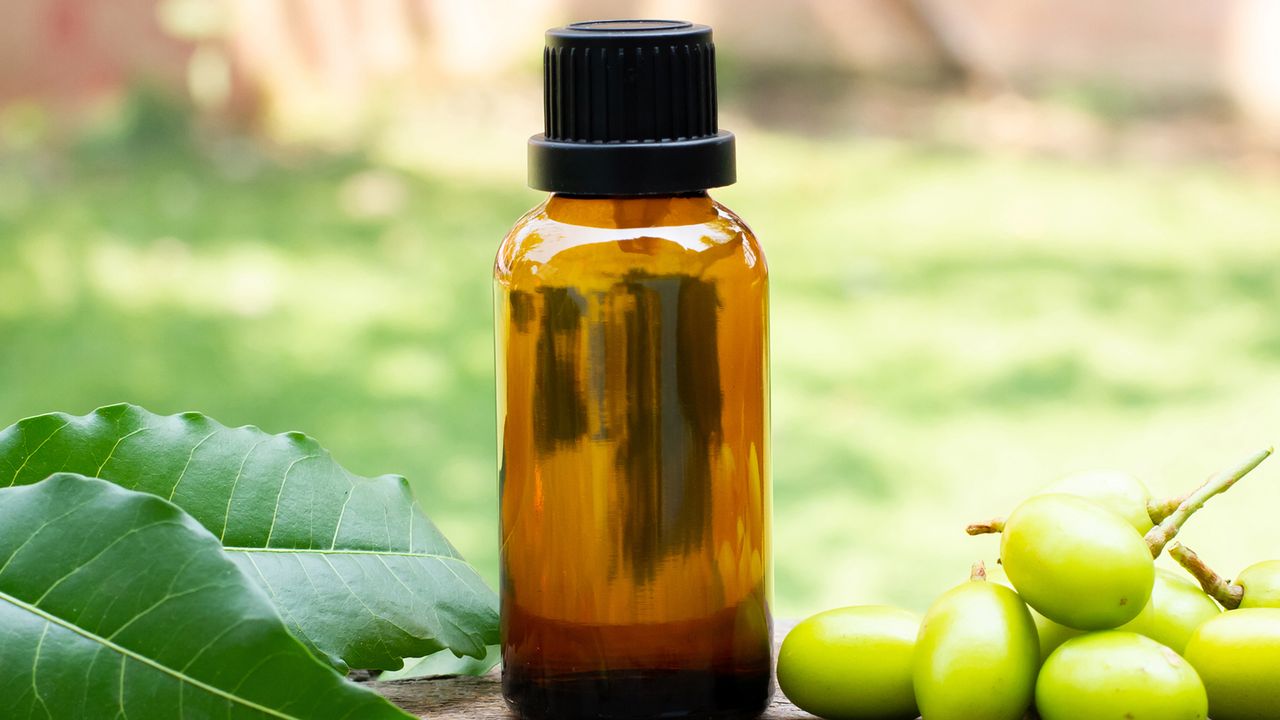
[(1075, 621)]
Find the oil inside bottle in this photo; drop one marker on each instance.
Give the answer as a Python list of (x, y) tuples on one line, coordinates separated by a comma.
[(635, 489)]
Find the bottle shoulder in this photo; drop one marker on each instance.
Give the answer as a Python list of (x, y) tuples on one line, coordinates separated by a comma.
[(631, 232)]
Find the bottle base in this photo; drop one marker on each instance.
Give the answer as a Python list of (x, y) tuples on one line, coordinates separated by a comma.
[(638, 695)]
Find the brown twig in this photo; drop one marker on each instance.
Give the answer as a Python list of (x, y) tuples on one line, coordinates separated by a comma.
[(1228, 594)]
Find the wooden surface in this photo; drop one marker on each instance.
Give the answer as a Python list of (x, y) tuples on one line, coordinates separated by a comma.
[(480, 698)]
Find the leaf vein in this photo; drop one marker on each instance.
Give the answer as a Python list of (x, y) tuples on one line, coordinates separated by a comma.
[(14, 480), (139, 658), (192, 454), (275, 513), (294, 626), (112, 452), (231, 496), (106, 548), (35, 670), (365, 605)]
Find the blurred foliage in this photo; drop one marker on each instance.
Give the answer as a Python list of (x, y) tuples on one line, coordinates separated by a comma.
[(1117, 102), (950, 329)]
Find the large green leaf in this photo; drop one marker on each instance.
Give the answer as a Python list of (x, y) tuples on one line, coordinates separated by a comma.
[(354, 566), (117, 604)]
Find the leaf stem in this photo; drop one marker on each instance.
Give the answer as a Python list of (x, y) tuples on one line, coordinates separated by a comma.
[(990, 527), (1228, 594), (1160, 535), (1158, 510)]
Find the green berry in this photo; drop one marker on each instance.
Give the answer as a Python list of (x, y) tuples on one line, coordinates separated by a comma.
[(1178, 609), (1117, 491), (851, 663), (1238, 656), (1076, 562), (1118, 676), (1261, 585), (977, 655)]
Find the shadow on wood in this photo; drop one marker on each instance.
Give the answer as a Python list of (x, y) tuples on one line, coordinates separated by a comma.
[(480, 698)]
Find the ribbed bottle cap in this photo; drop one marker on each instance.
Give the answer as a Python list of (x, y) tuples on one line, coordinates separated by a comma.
[(630, 109)]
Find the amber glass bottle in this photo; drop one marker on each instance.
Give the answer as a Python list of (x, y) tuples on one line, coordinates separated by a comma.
[(633, 404)]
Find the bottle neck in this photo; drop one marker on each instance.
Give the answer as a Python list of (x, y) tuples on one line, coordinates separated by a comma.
[(632, 211)]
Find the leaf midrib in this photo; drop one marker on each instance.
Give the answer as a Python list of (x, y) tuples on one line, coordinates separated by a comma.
[(130, 654), (333, 551)]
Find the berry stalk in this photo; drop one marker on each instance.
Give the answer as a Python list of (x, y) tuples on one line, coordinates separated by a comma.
[(1162, 534), (1228, 594), (1158, 510), (990, 527)]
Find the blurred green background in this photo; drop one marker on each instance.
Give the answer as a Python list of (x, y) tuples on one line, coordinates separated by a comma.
[(988, 270)]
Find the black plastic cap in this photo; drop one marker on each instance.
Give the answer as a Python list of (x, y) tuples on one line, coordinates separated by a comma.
[(630, 109)]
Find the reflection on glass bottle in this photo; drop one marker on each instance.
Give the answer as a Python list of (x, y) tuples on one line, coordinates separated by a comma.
[(560, 415)]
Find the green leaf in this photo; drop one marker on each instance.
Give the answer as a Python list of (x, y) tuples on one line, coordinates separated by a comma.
[(117, 604), (354, 566), (444, 664)]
